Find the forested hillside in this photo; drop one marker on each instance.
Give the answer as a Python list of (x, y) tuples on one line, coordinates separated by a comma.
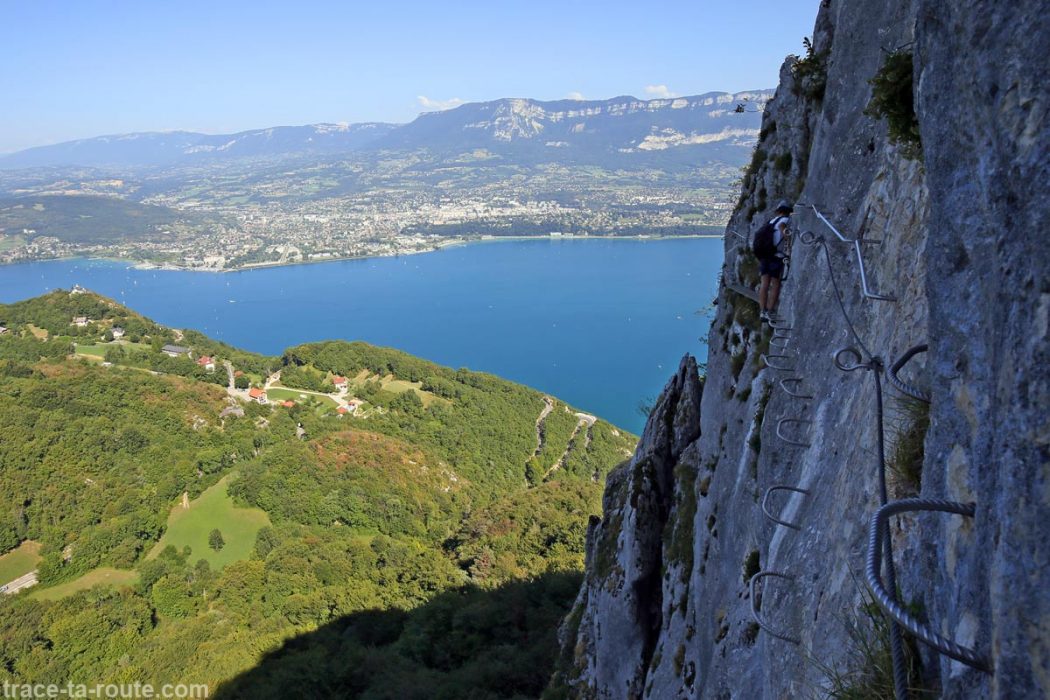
[(181, 530)]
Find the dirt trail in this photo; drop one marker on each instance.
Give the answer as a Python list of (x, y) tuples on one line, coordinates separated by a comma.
[(540, 423)]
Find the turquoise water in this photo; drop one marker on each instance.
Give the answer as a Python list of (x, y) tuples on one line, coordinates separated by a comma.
[(601, 324)]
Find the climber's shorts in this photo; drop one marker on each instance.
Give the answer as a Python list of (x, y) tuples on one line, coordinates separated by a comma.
[(774, 267)]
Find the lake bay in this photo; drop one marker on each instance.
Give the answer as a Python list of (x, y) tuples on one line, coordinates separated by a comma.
[(599, 323)]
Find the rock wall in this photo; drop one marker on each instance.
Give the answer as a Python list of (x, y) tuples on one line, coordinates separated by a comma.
[(957, 242)]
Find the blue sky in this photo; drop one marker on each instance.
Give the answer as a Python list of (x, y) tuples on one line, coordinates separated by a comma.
[(77, 69)]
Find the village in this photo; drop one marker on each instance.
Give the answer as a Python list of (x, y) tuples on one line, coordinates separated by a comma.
[(241, 385), (114, 345)]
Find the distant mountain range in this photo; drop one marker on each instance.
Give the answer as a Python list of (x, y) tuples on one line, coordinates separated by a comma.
[(573, 130), (158, 149)]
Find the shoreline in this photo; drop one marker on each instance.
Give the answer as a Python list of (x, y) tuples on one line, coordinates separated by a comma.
[(146, 265)]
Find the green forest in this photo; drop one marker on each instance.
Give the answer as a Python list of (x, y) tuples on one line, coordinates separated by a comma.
[(428, 548)]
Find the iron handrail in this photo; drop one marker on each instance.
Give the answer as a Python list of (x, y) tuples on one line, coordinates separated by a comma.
[(754, 605), (765, 504), (902, 386), (923, 632), (780, 424), (857, 252)]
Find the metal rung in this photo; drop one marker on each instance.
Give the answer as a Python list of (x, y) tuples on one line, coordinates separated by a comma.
[(782, 344), (765, 504), (793, 380), (754, 605), (924, 633), (780, 424), (771, 365), (902, 386)]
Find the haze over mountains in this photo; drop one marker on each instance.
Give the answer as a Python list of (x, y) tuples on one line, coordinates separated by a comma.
[(563, 129), (614, 167)]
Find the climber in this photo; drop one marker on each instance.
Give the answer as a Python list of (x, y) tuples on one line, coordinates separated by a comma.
[(767, 248)]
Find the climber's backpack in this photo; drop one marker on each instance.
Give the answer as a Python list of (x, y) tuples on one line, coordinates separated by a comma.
[(764, 247)]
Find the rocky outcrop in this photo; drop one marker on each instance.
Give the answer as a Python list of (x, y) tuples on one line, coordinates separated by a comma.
[(955, 240), (618, 618)]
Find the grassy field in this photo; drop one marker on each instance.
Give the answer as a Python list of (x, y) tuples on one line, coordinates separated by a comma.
[(103, 576), (19, 561), (283, 393), (10, 242), (397, 386), (214, 509), (92, 350), (38, 333)]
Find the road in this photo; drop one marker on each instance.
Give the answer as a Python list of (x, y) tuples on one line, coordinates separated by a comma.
[(12, 587)]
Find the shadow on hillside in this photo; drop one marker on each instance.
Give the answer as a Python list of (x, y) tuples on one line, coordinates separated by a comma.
[(465, 643)]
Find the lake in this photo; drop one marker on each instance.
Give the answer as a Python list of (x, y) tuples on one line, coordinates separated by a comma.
[(599, 323)]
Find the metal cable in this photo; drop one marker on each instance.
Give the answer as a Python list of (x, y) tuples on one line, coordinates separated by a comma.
[(879, 529), (880, 549), (842, 361), (902, 386), (900, 669), (812, 239), (849, 359)]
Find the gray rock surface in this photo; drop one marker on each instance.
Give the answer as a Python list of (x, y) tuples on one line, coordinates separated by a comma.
[(983, 99), (960, 244)]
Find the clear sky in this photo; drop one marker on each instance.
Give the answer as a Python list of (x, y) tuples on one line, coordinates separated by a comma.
[(72, 69)]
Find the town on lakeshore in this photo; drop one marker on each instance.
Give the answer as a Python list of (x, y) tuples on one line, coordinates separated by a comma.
[(621, 167)]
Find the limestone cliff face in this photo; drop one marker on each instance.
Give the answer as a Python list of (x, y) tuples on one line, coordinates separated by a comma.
[(959, 242)]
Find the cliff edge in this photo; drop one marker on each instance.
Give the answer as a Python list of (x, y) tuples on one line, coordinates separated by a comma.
[(761, 474)]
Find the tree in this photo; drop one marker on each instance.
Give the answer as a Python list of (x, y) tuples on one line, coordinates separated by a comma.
[(242, 382), (215, 540)]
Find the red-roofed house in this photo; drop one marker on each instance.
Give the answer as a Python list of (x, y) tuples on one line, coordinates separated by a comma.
[(287, 404), (340, 382), (341, 410), (257, 395), (206, 362)]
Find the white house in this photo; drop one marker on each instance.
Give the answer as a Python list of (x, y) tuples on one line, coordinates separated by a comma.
[(175, 351)]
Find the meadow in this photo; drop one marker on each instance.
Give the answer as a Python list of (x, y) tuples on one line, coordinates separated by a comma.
[(19, 561), (214, 509)]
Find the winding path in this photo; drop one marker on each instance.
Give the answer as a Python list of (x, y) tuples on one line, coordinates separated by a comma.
[(585, 419), (540, 424)]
